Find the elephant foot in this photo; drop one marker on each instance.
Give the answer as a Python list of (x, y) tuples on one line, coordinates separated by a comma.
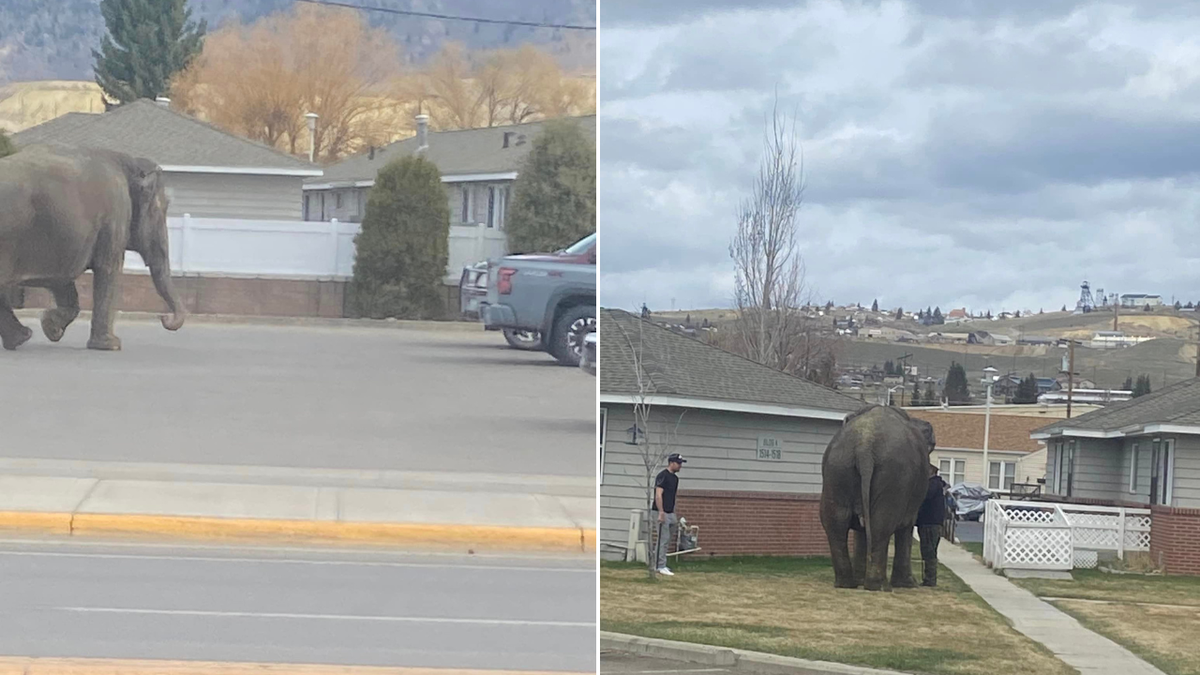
[(109, 343), (52, 327), (22, 336), (904, 583), (844, 583), (873, 585)]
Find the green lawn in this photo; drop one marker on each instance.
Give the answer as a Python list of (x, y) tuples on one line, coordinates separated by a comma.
[(788, 606)]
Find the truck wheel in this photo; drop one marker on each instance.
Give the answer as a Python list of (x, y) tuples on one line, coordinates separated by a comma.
[(525, 340), (570, 328)]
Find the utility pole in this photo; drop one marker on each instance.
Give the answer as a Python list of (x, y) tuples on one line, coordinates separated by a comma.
[(1198, 350), (1070, 375)]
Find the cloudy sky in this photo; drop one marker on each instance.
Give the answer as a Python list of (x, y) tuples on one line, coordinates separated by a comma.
[(987, 154)]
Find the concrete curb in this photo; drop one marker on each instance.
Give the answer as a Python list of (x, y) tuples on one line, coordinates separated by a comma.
[(449, 326), (736, 659), (54, 666), (472, 537)]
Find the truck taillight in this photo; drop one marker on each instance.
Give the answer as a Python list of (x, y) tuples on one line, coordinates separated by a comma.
[(504, 280)]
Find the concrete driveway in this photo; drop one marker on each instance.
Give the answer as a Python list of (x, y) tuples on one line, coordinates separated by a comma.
[(300, 397)]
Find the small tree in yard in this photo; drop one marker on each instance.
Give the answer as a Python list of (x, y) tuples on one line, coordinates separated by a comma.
[(956, 384), (404, 243), (1128, 386), (1142, 386), (554, 196), (930, 395), (6, 145), (1027, 390)]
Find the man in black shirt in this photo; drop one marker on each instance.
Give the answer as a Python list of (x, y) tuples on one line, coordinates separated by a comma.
[(929, 524), (665, 486)]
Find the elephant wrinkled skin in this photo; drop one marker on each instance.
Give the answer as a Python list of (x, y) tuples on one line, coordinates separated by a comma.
[(875, 474), (69, 211)]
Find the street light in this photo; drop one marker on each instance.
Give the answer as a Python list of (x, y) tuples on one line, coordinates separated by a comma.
[(889, 393), (989, 378), (312, 134)]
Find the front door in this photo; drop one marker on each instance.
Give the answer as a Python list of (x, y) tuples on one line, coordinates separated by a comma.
[(1162, 470)]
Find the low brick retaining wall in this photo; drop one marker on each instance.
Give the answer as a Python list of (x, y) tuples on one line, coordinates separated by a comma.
[(1175, 539), (755, 523)]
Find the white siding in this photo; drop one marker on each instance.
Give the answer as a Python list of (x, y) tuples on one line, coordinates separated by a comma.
[(721, 449), (210, 195), (1098, 470)]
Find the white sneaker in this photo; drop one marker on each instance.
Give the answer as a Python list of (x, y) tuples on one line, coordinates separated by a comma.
[(665, 572)]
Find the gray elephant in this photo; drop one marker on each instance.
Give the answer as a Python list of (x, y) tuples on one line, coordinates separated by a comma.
[(875, 475), (67, 211)]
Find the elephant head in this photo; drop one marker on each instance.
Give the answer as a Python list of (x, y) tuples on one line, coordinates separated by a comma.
[(148, 235), (926, 430)]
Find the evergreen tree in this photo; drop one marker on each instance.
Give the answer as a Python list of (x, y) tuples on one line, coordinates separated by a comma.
[(1041, 311), (930, 395), (1027, 390), (1142, 386), (404, 243), (916, 395), (937, 316), (1017, 314), (956, 384), (554, 196), (1178, 305), (148, 42), (875, 306), (1190, 305), (829, 306), (688, 321), (1064, 308), (900, 314), (1128, 386), (989, 315)]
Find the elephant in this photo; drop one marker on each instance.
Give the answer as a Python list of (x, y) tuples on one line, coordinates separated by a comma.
[(69, 210), (874, 477)]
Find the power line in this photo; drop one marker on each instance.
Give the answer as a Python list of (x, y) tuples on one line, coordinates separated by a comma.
[(449, 17)]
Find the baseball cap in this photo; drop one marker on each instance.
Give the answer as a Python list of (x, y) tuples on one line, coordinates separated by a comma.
[(676, 457)]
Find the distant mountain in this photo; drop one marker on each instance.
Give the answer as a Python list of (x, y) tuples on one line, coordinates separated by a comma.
[(53, 39)]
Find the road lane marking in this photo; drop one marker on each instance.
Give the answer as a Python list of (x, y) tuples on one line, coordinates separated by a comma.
[(282, 561), (324, 617)]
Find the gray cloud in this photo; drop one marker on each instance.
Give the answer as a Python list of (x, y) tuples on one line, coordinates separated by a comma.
[(981, 154)]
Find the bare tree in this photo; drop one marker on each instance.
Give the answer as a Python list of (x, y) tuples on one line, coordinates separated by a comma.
[(770, 285), (657, 432)]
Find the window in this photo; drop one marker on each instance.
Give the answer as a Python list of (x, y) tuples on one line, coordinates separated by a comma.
[(603, 433), (954, 471), (491, 215), (1162, 471), (1133, 468), (465, 214), (1001, 475), (338, 194)]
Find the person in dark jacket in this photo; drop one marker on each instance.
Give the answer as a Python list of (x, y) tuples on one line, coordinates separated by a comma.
[(929, 524)]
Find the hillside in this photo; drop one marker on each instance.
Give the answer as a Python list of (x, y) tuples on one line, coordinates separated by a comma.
[(53, 39)]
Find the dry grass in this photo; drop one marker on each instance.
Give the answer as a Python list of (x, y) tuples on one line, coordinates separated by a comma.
[(1125, 588), (1164, 636), (790, 607), (27, 104)]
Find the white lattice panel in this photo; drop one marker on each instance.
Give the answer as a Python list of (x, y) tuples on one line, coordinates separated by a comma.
[(1029, 516), (1041, 548), (1087, 537), (1084, 559)]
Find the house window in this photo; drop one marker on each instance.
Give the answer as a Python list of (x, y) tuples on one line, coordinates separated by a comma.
[(603, 433), (465, 213), (954, 471), (339, 199), (1162, 471), (1001, 475), (497, 206), (1133, 468), (491, 214)]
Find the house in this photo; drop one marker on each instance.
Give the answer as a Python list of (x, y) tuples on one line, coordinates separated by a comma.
[(478, 168), (1037, 340), (1145, 451), (1140, 300), (208, 172), (1013, 456), (754, 438), (958, 316), (1113, 339), (951, 338)]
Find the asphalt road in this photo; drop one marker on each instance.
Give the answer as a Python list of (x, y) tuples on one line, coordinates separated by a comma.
[(136, 601), (291, 396), (636, 664)]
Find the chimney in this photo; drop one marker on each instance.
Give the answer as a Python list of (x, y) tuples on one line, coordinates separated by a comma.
[(371, 153), (422, 133), (163, 101), (507, 135)]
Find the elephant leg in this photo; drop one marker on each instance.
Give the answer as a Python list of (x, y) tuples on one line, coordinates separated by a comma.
[(837, 529), (55, 321), (105, 286), (876, 566), (859, 561), (12, 333), (902, 566)]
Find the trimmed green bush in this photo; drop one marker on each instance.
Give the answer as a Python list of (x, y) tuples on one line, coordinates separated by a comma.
[(554, 196), (6, 145), (404, 243)]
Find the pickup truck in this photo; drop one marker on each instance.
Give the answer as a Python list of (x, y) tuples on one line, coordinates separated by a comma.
[(553, 294)]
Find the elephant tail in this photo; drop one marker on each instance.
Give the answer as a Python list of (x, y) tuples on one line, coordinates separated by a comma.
[(866, 470)]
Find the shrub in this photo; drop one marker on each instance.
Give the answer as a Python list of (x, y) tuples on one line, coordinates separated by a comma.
[(554, 196)]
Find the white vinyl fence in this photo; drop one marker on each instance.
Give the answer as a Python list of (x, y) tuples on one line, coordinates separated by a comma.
[(295, 248), (1049, 536)]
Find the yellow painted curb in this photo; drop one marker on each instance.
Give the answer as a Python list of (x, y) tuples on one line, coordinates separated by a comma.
[(49, 666), (473, 537)]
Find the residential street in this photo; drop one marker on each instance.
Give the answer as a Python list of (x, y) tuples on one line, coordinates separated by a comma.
[(298, 397), (140, 601)]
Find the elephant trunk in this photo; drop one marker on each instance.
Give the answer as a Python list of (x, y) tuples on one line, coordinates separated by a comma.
[(160, 272)]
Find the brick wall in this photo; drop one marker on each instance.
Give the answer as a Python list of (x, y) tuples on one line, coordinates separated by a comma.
[(242, 296), (755, 523), (1175, 539)]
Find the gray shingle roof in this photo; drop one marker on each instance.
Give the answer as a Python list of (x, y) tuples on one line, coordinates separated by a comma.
[(680, 366), (1177, 404), (466, 151), (145, 129)]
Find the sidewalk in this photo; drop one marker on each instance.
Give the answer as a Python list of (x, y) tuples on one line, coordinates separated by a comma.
[(1079, 647), (442, 510)]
